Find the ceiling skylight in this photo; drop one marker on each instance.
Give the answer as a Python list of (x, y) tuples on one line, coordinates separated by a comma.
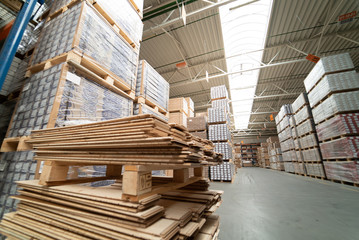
[(244, 29)]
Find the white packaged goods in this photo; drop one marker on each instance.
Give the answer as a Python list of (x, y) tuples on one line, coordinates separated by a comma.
[(284, 135), (284, 110), (219, 132), (223, 172), (336, 103), (297, 143), (308, 141), (305, 127), (300, 157), (333, 83), (327, 65), (299, 102), (345, 147), (122, 13), (311, 155), (82, 29), (217, 115), (221, 103), (225, 148), (289, 156), (151, 85), (340, 125), (190, 104), (289, 167), (298, 168), (15, 77), (219, 92), (343, 171), (315, 169), (303, 114)]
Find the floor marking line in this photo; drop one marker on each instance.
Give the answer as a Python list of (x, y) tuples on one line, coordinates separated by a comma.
[(350, 189)]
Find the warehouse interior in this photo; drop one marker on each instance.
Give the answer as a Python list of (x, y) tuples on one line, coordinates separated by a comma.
[(179, 119)]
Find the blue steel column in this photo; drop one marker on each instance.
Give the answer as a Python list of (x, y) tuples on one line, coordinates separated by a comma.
[(13, 40)]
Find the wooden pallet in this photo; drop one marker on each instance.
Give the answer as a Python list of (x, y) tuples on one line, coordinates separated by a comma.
[(344, 182), (14, 144), (155, 107)]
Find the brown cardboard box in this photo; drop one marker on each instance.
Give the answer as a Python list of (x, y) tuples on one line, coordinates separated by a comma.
[(197, 123), (178, 105), (200, 134), (178, 118)]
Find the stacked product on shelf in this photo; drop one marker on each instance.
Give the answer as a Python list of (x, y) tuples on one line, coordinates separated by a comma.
[(247, 154), (197, 126), (305, 140), (333, 93), (190, 104), (275, 154), (152, 92), (178, 108), (285, 122), (82, 70), (219, 133), (263, 155)]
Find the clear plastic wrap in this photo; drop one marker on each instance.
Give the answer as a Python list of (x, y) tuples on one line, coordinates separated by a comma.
[(333, 83), (305, 127), (347, 171), (340, 125), (345, 147), (308, 141), (225, 148), (289, 167), (152, 86), (315, 169), (303, 114), (297, 143), (219, 92), (298, 167), (89, 172), (299, 102), (336, 103), (284, 111), (287, 145), (83, 29), (217, 115), (219, 132), (30, 37), (197, 123), (289, 156), (285, 122), (221, 103), (140, 108), (80, 100), (311, 155), (299, 155), (327, 65), (223, 172)]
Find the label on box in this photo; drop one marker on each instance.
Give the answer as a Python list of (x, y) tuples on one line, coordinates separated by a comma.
[(73, 78)]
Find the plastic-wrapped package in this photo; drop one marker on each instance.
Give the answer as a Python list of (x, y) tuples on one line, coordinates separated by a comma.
[(139, 4), (336, 103), (219, 92), (30, 37), (305, 127), (299, 102), (15, 77), (287, 145), (223, 172), (333, 83), (315, 169), (309, 141), (285, 122), (292, 121), (340, 125), (225, 148), (298, 167), (347, 171), (311, 155), (345, 147), (289, 167), (219, 132), (67, 94), (6, 110), (303, 114), (328, 65), (197, 123), (221, 103), (152, 86), (82, 29), (140, 108), (14, 166), (297, 143), (284, 111), (289, 156), (217, 115), (300, 157)]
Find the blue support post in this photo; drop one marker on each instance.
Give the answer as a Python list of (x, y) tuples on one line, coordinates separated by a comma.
[(13, 40)]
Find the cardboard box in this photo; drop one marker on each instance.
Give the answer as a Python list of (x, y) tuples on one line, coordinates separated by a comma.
[(178, 105), (197, 123), (190, 103), (178, 118)]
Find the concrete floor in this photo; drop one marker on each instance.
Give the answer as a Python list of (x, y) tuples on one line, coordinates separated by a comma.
[(265, 204)]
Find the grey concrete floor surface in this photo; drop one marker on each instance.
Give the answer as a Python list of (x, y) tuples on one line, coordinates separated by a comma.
[(264, 204)]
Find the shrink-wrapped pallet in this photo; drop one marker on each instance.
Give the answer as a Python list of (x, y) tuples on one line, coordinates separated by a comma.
[(221, 103), (308, 141), (152, 86), (284, 111), (223, 172), (217, 115), (305, 127), (289, 156), (15, 76), (340, 125), (303, 114), (82, 29), (333, 83), (327, 65), (299, 102), (225, 148), (336, 103), (345, 147), (219, 92), (311, 155), (289, 167), (315, 169), (219, 132), (347, 171), (178, 105)]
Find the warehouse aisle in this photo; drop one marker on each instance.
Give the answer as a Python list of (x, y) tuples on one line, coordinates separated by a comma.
[(269, 205)]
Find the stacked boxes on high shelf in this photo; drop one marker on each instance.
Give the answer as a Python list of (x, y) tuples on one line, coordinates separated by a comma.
[(152, 92), (275, 154), (247, 154), (263, 155), (83, 69), (333, 93), (305, 140), (219, 133), (178, 108)]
